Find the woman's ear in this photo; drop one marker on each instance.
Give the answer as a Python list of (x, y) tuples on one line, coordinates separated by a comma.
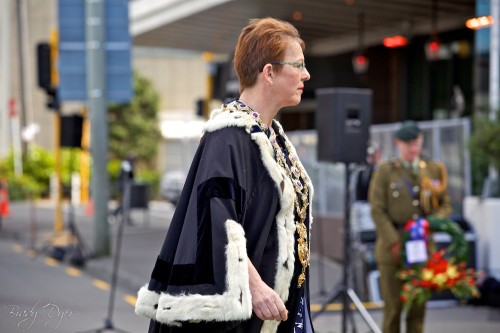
[(268, 73)]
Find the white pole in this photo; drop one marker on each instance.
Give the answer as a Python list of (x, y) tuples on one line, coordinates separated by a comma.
[(494, 70), (30, 75), (16, 141), (494, 59), (76, 185), (5, 22)]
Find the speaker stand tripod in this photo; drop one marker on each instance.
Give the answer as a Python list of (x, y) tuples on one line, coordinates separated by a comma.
[(343, 291), (108, 322), (81, 251), (64, 242)]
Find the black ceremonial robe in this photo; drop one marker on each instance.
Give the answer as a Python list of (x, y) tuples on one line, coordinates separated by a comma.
[(237, 204)]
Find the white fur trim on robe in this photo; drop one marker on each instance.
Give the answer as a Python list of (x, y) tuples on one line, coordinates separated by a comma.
[(147, 302), (234, 304)]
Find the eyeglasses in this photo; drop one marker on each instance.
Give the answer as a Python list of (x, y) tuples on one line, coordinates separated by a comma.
[(300, 65)]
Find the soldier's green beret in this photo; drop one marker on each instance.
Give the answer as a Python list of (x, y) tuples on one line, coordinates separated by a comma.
[(408, 131)]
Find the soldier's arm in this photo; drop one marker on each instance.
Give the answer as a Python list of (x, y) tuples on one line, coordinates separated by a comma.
[(445, 208), (378, 201)]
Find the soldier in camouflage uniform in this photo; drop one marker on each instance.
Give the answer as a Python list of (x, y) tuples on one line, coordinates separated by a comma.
[(401, 189)]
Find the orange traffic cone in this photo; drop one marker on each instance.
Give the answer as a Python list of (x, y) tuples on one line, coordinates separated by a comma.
[(89, 209), (4, 199)]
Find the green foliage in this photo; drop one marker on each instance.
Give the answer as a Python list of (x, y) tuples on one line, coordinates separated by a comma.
[(35, 180), (133, 131), (152, 178), (5, 167), (485, 148), (485, 141), (37, 170), (23, 187), (133, 128), (114, 166), (70, 163), (479, 164), (458, 248), (39, 165)]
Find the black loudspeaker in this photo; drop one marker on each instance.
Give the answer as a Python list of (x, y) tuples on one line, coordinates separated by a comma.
[(139, 195), (343, 118), (71, 131)]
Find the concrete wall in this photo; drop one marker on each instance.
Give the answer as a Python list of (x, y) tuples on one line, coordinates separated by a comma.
[(482, 213), (40, 18), (179, 76)]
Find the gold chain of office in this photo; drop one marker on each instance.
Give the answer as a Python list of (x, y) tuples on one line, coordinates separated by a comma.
[(296, 174)]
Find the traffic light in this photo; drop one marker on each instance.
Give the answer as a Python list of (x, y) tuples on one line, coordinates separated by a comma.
[(53, 99), (71, 131), (48, 76), (54, 54), (202, 108), (43, 60)]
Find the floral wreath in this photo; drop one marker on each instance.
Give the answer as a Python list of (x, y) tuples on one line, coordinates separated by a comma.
[(443, 270)]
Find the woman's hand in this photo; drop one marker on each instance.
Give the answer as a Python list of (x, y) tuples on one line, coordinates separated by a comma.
[(266, 303)]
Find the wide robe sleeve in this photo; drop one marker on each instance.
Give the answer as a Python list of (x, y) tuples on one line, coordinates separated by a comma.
[(201, 273)]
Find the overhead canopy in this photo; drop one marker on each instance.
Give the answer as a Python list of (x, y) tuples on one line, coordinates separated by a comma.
[(328, 26)]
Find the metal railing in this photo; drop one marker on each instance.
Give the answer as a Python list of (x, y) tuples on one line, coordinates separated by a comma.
[(445, 140)]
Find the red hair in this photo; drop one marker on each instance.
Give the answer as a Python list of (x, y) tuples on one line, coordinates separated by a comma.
[(261, 42)]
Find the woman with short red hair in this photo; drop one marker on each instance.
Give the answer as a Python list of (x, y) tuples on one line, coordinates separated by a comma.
[(236, 256)]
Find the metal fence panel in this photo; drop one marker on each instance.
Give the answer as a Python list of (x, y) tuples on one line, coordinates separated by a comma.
[(445, 140)]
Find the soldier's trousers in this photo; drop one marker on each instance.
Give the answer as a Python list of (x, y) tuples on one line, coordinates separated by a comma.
[(390, 288)]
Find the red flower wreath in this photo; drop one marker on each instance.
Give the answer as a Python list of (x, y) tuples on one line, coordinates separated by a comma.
[(444, 269)]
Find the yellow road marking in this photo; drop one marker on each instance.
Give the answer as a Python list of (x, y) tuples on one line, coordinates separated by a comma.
[(17, 248), (130, 299), (338, 306), (100, 284), (51, 262), (32, 254), (71, 271)]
